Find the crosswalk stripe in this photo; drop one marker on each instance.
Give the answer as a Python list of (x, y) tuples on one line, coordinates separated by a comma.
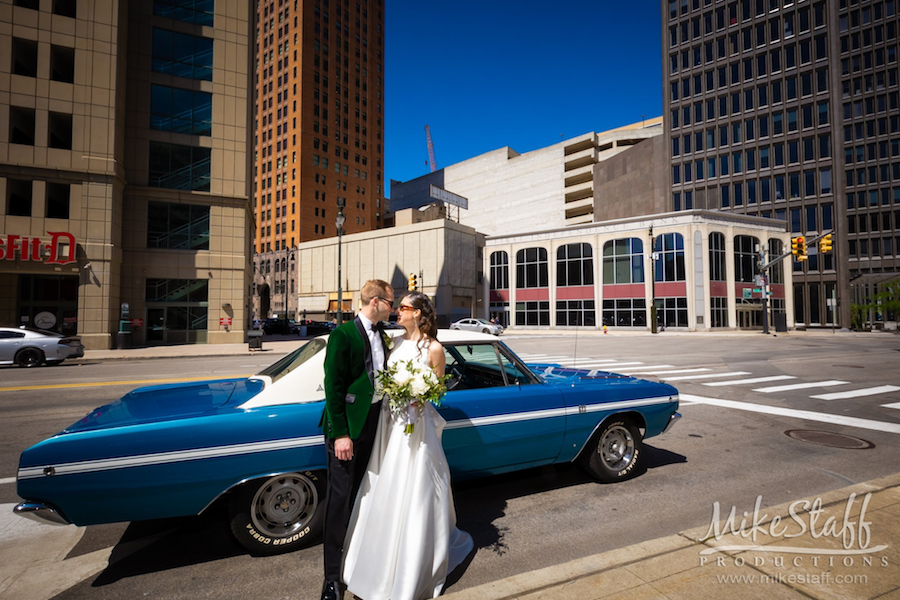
[(642, 368), (753, 380), (707, 376), (670, 372), (882, 389), (800, 386), (892, 405), (797, 414)]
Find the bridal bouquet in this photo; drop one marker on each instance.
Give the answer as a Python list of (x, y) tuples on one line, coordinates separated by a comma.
[(407, 386)]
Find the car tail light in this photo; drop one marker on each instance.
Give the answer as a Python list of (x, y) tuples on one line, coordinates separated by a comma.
[(71, 341)]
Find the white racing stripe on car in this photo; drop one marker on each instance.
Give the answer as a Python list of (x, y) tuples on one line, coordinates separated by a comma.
[(554, 412), (161, 458)]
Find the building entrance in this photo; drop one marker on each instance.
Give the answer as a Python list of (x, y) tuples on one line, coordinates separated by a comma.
[(749, 315), (49, 302)]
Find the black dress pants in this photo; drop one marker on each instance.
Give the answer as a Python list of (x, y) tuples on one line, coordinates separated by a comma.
[(344, 478)]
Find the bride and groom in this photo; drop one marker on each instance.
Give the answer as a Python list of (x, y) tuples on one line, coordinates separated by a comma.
[(390, 524)]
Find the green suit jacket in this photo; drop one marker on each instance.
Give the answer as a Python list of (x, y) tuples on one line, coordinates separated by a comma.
[(349, 380)]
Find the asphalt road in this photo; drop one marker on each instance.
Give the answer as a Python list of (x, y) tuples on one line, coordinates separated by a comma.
[(730, 447)]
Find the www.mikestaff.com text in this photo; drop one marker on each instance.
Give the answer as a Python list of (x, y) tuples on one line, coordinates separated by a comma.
[(825, 577)]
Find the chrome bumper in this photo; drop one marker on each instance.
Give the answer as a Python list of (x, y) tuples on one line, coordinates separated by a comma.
[(37, 511), (672, 419)]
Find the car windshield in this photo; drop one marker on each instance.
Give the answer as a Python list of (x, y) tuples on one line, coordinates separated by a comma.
[(474, 366), (293, 360)]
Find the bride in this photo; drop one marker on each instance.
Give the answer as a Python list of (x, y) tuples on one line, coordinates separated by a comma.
[(402, 539)]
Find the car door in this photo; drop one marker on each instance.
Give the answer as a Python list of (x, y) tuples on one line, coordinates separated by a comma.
[(500, 417), (10, 342)]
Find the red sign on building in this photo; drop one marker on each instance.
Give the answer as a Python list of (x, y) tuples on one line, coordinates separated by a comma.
[(224, 321), (31, 248)]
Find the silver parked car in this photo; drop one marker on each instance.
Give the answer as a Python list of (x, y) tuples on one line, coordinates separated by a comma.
[(480, 325), (30, 347)]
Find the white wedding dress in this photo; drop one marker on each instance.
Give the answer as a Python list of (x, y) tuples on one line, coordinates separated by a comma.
[(402, 540)]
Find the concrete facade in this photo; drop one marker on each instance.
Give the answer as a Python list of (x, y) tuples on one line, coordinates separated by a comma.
[(633, 182), (509, 192), (85, 168), (446, 257), (697, 289)]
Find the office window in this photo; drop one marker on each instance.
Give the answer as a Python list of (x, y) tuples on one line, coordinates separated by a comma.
[(627, 312), (623, 261), (745, 258), (57, 206), (532, 269), (21, 125), (575, 313), (24, 57), (574, 265), (66, 8), (189, 11), (533, 313), (182, 55), (179, 167), (670, 264), (18, 197), (499, 270), (177, 226), (62, 64), (59, 131), (32, 4), (717, 257), (181, 111)]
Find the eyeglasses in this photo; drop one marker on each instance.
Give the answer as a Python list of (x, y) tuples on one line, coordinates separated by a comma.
[(386, 301), (405, 307)]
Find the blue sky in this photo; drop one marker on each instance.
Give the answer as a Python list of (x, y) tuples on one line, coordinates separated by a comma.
[(484, 74)]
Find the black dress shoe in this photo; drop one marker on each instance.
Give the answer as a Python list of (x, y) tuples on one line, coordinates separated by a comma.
[(332, 590)]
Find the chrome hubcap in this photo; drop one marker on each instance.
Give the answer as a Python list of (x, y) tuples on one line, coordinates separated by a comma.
[(616, 448), (284, 504)]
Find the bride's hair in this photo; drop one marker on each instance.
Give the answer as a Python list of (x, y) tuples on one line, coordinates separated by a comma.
[(427, 321)]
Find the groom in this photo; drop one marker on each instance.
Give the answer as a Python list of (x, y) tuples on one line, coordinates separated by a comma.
[(354, 354)]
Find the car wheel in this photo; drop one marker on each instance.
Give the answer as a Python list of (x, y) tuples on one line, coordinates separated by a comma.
[(614, 454), (29, 357), (279, 514), (485, 330)]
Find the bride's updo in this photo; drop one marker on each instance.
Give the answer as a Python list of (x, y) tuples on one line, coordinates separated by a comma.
[(427, 321)]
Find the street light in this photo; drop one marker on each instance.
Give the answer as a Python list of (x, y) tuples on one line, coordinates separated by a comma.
[(339, 223)]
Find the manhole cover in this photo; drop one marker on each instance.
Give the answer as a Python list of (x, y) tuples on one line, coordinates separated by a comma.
[(830, 439)]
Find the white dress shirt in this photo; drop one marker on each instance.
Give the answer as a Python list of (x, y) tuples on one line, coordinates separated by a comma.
[(376, 346)]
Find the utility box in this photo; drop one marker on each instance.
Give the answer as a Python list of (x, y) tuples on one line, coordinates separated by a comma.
[(780, 322)]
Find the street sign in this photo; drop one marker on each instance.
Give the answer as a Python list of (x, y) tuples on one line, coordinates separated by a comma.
[(137, 322), (443, 195), (757, 290), (224, 321), (748, 293)]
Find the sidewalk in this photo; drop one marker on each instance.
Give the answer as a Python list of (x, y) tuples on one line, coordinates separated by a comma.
[(282, 344), (800, 556)]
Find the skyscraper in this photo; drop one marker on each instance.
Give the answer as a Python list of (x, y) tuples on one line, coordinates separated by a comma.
[(789, 109), (319, 130), (125, 168)]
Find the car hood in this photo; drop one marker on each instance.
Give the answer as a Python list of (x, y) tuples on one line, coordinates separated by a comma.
[(166, 402), (553, 374)]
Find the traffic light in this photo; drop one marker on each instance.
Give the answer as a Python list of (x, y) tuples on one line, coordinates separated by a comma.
[(825, 244), (413, 284), (798, 247)]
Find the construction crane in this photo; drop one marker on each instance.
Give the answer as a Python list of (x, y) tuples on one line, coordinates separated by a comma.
[(431, 161)]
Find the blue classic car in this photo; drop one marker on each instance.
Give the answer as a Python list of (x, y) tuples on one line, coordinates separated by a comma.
[(255, 445)]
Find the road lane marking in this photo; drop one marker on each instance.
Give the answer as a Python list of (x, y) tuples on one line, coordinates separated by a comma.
[(6, 480), (882, 389), (754, 380), (892, 405), (806, 415), (800, 386), (59, 386), (707, 376)]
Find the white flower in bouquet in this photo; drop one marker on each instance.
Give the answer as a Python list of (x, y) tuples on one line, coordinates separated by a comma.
[(407, 386)]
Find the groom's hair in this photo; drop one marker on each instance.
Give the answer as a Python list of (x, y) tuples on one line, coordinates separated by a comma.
[(374, 288)]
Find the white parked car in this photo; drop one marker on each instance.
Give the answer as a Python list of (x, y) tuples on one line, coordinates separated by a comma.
[(480, 325), (30, 348)]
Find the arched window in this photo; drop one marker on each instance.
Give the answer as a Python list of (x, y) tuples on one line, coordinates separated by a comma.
[(574, 265), (276, 266), (499, 270), (745, 258), (531, 268), (623, 261), (670, 263)]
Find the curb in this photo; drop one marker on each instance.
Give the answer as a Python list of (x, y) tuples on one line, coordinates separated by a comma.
[(565, 574)]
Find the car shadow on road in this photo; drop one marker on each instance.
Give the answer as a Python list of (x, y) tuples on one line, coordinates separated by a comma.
[(163, 544)]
